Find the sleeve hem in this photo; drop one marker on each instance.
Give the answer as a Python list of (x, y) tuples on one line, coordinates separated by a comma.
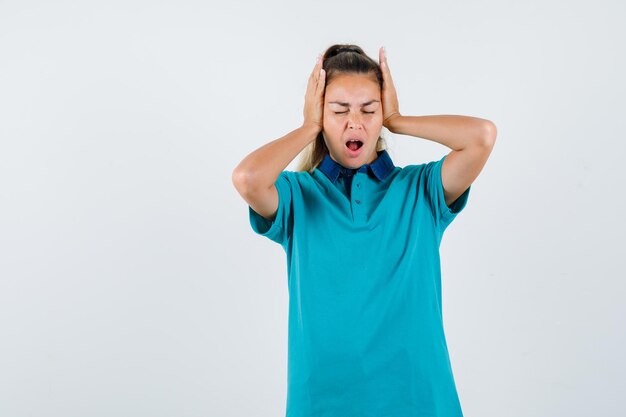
[(273, 229), (448, 213), (263, 226)]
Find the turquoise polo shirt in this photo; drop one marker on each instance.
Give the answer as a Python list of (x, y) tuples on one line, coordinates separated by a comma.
[(365, 328)]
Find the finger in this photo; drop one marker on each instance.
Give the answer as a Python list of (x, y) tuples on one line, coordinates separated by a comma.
[(313, 81), (320, 82), (384, 69), (384, 66)]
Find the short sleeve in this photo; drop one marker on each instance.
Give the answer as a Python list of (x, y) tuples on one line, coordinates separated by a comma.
[(278, 230), (442, 213)]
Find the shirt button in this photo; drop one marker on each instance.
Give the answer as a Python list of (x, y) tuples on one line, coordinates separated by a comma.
[(358, 184), (357, 201)]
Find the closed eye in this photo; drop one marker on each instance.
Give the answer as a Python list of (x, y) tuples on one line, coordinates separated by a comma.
[(344, 112)]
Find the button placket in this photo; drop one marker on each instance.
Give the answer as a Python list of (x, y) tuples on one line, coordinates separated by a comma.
[(356, 193)]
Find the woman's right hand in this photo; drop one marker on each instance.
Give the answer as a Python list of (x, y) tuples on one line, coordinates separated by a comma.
[(314, 97)]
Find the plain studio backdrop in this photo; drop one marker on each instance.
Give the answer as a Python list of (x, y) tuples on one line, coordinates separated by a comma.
[(131, 282)]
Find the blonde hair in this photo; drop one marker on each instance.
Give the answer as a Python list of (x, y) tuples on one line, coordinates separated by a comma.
[(315, 152)]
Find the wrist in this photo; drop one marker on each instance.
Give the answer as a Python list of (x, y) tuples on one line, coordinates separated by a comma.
[(311, 128), (391, 121)]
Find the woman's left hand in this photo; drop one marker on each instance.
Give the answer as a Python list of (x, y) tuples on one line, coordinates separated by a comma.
[(388, 95)]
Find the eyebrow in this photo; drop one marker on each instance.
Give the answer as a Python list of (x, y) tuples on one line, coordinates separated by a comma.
[(345, 104)]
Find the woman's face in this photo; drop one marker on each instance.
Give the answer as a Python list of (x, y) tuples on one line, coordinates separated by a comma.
[(352, 112)]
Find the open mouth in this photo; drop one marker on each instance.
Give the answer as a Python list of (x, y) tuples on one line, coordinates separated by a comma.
[(353, 145)]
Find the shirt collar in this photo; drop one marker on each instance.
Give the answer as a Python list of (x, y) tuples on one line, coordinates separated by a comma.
[(381, 167)]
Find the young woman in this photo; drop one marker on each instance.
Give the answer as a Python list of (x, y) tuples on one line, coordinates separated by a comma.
[(362, 236)]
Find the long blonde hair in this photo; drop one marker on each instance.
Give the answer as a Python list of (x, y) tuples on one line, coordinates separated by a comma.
[(340, 59)]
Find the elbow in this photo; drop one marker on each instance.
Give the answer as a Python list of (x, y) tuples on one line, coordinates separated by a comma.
[(241, 180), (489, 133), (245, 181)]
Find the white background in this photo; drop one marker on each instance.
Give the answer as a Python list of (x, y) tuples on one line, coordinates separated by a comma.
[(131, 283)]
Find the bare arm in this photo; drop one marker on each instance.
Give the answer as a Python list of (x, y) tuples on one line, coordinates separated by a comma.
[(457, 132), (256, 174), (254, 177), (470, 138)]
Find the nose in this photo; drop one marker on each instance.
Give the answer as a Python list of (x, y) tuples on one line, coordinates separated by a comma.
[(354, 121)]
